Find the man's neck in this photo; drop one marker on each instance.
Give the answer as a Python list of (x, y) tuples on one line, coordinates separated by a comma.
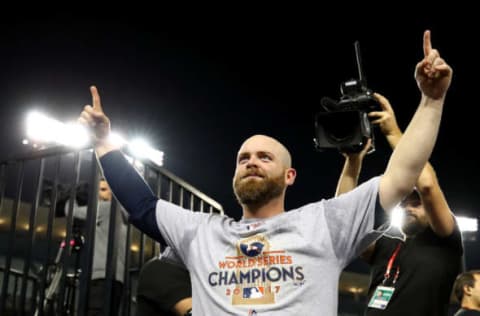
[(265, 210), (468, 304)]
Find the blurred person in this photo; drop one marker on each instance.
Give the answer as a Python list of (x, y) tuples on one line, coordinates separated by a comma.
[(97, 293), (164, 287), (467, 293)]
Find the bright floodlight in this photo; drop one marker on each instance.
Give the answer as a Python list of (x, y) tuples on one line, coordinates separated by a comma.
[(140, 149), (467, 224), (74, 135), (43, 129)]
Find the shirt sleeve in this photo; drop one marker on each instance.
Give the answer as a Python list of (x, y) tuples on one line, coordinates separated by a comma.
[(353, 220), (132, 192), (179, 226)]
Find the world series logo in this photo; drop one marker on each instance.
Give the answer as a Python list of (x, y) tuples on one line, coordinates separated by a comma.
[(257, 273), (259, 291)]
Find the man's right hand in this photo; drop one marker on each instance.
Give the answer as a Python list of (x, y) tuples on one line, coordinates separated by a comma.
[(433, 74), (94, 118), (98, 123), (385, 119)]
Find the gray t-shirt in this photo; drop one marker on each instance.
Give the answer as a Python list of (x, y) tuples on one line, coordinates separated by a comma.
[(288, 264), (101, 239)]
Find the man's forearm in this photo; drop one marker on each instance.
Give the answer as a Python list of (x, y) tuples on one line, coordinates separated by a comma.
[(414, 149), (393, 138), (349, 176)]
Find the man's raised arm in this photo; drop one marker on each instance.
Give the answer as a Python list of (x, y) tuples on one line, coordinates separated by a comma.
[(433, 76), (127, 185)]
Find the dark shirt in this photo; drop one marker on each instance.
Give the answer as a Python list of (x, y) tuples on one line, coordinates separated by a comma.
[(428, 267), (467, 312)]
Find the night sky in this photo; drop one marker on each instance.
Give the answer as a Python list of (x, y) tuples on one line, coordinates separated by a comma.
[(197, 87)]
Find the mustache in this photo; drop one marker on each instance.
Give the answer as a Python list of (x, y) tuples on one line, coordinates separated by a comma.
[(253, 172)]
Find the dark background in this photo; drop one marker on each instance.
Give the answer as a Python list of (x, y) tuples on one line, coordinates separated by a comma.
[(197, 84)]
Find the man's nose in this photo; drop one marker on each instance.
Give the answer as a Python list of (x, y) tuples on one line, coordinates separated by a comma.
[(252, 161)]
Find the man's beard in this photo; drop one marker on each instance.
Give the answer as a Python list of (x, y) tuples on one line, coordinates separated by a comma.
[(412, 226), (258, 191)]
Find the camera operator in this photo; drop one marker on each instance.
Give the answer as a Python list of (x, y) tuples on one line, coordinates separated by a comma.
[(415, 276)]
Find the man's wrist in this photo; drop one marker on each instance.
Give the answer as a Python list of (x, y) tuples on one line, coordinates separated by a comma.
[(102, 147)]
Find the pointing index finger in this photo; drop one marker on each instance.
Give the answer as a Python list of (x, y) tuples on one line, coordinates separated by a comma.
[(427, 43), (96, 103)]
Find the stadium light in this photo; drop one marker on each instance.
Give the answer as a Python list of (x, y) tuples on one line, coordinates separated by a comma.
[(467, 224), (141, 149), (43, 130)]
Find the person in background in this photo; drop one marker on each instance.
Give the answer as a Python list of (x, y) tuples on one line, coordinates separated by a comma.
[(414, 276), (164, 287), (96, 301), (467, 293)]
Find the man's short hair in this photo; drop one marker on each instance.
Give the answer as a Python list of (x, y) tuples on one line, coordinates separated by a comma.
[(464, 279), (162, 284)]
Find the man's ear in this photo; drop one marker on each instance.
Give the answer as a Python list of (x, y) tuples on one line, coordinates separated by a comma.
[(467, 289), (290, 176)]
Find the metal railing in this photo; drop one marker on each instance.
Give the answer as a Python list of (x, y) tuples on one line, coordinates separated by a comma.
[(45, 269)]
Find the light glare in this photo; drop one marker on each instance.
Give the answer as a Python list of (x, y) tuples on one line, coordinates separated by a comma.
[(467, 224), (396, 217), (42, 130), (141, 149)]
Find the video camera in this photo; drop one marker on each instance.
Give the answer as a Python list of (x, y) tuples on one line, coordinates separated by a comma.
[(344, 125)]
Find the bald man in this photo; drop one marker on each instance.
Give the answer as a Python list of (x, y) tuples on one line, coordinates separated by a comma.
[(264, 170), (274, 262)]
